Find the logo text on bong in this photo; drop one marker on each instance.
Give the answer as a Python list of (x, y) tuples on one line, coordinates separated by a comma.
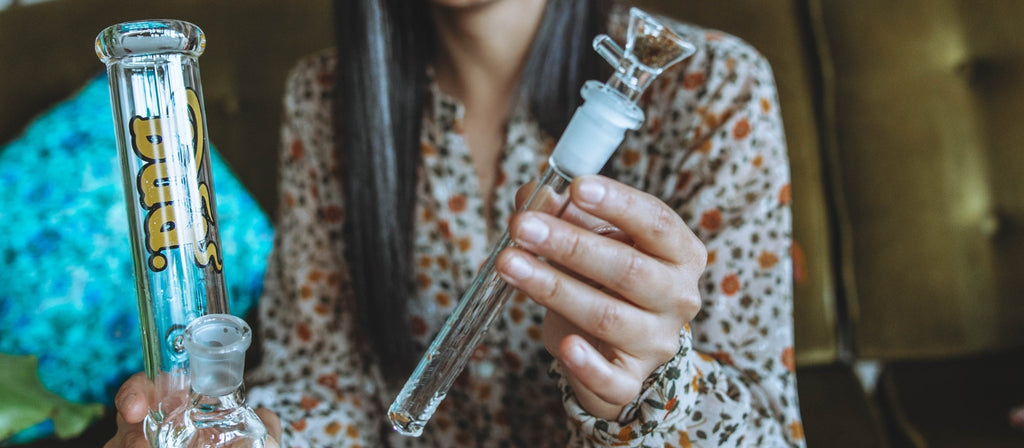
[(169, 223)]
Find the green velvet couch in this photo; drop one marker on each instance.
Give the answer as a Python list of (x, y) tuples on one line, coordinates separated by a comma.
[(908, 200)]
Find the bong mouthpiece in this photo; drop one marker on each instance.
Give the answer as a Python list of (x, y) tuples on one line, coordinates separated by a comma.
[(650, 48)]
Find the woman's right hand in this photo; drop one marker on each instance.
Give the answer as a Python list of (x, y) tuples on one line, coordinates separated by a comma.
[(132, 408)]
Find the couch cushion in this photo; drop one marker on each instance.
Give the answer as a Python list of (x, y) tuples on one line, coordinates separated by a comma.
[(837, 412), (927, 99), (957, 402)]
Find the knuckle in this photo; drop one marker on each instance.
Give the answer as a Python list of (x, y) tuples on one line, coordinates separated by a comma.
[(686, 305), (682, 298), (666, 348), (609, 319), (691, 303), (693, 257), (634, 270), (700, 253), (574, 246), (556, 288), (663, 222), (627, 203), (625, 394), (690, 310)]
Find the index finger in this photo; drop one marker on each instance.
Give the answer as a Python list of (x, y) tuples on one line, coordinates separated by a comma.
[(650, 223), (554, 204), (273, 425)]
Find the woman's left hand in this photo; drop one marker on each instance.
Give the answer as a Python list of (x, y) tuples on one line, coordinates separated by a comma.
[(621, 284)]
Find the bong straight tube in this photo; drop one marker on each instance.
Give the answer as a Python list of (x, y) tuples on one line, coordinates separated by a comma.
[(159, 121)]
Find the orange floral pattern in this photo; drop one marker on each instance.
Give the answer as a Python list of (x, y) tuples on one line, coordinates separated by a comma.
[(693, 80), (457, 203), (684, 440), (767, 259), (712, 149), (741, 130), (723, 357), (785, 196), (796, 430), (799, 263), (730, 284), (789, 359), (711, 219)]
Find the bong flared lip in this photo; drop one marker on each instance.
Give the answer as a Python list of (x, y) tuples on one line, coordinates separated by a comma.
[(149, 37)]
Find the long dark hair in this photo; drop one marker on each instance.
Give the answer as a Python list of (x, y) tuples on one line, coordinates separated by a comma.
[(384, 47)]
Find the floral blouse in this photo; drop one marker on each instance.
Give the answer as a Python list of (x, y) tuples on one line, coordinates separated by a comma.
[(712, 148)]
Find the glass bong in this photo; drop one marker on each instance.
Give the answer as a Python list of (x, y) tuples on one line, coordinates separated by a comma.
[(593, 134), (160, 125)]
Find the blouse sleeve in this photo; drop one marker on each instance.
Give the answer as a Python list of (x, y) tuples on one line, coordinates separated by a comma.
[(713, 148), (312, 373)]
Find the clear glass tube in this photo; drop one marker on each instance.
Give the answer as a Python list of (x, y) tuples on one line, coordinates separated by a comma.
[(596, 129), (160, 125), (464, 329), (216, 414)]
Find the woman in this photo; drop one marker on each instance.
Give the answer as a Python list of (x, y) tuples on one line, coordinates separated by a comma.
[(411, 173)]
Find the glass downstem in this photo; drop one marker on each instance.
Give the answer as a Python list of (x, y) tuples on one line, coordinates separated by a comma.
[(594, 132), (463, 331)]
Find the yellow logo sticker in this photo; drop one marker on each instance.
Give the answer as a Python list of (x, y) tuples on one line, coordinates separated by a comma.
[(173, 220)]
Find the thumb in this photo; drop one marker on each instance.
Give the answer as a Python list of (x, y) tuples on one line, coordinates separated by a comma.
[(131, 399)]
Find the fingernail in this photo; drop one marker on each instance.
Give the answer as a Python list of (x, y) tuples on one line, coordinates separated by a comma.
[(532, 230), (575, 356), (590, 192), (518, 268)]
